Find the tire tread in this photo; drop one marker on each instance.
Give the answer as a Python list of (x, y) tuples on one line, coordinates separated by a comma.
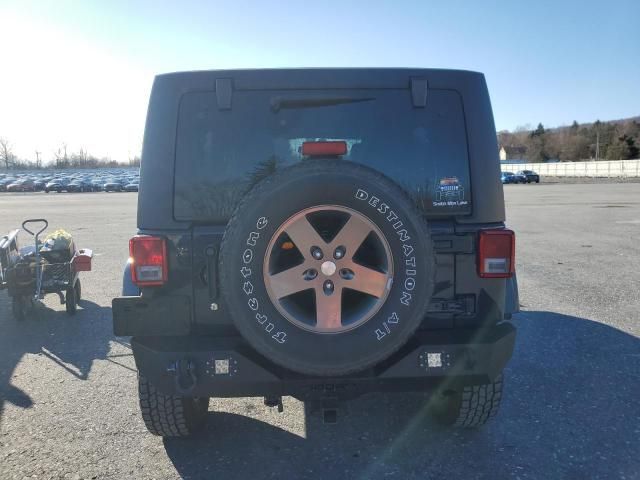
[(168, 415), (479, 404)]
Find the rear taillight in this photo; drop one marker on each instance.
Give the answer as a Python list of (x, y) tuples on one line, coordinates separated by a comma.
[(496, 253), (148, 258), (332, 149)]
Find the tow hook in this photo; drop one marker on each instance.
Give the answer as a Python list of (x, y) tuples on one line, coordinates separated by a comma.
[(274, 402), (184, 375)]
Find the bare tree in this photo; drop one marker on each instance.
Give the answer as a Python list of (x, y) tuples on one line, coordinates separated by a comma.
[(6, 153), (83, 157), (134, 161), (62, 160)]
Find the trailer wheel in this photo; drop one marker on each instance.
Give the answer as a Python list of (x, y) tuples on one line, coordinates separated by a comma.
[(18, 307), (78, 289), (72, 297)]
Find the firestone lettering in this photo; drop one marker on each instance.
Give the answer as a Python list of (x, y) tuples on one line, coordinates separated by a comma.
[(248, 288), (406, 298), (253, 237)]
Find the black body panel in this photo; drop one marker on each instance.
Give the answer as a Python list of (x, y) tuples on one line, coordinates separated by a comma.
[(469, 356), (157, 170), (461, 298), (168, 315), (187, 319)]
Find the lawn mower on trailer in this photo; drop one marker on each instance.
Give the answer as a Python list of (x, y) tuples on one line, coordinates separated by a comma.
[(49, 266)]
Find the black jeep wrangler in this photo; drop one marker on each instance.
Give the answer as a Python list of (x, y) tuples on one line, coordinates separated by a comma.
[(319, 233)]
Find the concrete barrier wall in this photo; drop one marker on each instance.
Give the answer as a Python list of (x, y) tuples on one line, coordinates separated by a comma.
[(609, 168)]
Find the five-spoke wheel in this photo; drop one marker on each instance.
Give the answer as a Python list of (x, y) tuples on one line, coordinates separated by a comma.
[(328, 269)]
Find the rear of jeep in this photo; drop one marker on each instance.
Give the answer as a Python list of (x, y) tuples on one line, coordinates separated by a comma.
[(322, 234)]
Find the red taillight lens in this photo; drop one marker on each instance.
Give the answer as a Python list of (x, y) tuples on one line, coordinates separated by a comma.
[(310, 149), (496, 253), (148, 257)]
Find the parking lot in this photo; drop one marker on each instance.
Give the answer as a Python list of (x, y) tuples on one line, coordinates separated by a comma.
[(68, 403)]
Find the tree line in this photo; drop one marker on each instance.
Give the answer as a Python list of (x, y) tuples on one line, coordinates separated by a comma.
[(614, 140), (60, 159)]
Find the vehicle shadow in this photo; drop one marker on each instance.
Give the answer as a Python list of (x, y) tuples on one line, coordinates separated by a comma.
[(570, 411), (71, 343)]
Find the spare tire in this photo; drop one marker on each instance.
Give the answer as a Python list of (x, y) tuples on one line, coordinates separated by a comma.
[(327, 267)]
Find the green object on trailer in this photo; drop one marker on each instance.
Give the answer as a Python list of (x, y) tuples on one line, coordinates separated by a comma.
[(58, 247)]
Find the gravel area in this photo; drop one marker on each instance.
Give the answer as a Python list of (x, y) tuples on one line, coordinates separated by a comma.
[(68, 403)]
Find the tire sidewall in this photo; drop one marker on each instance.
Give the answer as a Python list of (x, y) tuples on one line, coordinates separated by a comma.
[(245, 245)]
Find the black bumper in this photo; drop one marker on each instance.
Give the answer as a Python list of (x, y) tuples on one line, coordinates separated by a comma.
[(465, 356)]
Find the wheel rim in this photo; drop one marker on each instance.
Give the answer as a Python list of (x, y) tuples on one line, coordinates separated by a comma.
[(328, 269)]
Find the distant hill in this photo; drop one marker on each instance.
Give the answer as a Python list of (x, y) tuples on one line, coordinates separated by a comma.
[(611, 140)]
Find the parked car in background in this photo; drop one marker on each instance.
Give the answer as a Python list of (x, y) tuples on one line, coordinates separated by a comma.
[(70, 180), (97, 184), (509, 177), (113, 186), (6, 182), (56, 185), (131, 187), (78, 186), (520, 178), (21, 186), (529, 176)]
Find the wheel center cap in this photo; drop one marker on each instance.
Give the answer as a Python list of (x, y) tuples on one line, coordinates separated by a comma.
[(328, 268)]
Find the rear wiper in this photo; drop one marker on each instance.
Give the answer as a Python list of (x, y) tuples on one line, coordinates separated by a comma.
[(278, 103)]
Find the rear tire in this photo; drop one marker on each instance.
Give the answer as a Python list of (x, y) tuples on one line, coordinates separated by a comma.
[(468, 406), (170, 415)]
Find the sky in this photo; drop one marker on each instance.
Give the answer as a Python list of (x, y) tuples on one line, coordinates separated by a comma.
[(80, 73)]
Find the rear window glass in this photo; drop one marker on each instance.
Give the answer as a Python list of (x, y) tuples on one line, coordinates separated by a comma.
[(220, 154)]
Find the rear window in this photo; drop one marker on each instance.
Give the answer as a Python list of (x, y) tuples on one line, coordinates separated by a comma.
[(220, 154)]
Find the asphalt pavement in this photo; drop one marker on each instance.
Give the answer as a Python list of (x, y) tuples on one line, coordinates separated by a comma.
[(68, 402)]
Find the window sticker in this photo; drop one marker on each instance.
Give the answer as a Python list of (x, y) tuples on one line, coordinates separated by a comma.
[(449, 193)]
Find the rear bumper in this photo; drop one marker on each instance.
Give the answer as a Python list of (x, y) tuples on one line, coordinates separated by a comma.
[(465, 356)]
